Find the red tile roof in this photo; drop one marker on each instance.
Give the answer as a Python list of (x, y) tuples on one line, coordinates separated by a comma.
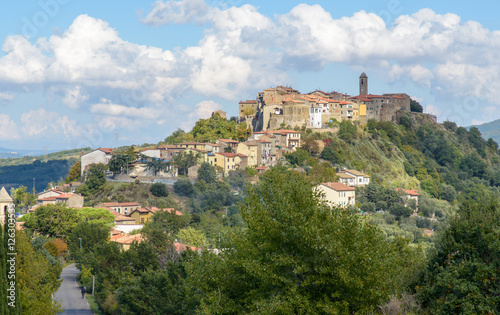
[(120, 217), (182, 247), (228, 140), (338, 186), (248, 102), (262, 168), (411, 192), (106, 150), (53, 198)]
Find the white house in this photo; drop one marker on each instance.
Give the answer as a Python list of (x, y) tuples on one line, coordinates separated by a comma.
[(101, 155), (353, 178), (338, 194)]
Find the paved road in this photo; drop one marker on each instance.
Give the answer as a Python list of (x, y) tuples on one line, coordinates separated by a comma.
[(69, 294)]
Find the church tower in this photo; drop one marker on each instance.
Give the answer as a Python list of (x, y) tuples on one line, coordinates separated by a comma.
[(5, 202), (363, 84)]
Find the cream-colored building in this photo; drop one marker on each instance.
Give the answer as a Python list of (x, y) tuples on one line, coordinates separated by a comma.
[(252, 149), (338, 194), (98, 156), (353, 178)]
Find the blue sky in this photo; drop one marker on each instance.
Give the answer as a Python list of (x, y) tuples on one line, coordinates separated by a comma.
[(84, 73)]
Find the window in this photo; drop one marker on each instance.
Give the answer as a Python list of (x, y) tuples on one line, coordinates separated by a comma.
[(142, 220)]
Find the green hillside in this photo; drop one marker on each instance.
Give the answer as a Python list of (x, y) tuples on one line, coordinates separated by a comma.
[(490, 130)]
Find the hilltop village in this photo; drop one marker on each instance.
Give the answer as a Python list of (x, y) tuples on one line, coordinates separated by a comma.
[(371, 172), (282, 106)]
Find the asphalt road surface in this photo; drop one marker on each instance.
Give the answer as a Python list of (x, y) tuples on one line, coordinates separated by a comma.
[(70, 295)]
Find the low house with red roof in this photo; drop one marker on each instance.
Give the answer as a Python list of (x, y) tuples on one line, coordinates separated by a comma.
[(338, 194), (124, 240), (97, 156), (49, 193), (120, 207), (143, 215), (410, 194), (71, 200)]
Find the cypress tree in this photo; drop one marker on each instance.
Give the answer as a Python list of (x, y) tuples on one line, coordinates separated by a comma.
[(3, 276)]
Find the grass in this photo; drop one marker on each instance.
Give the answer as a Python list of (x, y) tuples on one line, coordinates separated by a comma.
[(93, 304)]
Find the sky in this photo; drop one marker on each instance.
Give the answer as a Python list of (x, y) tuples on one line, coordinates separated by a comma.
[(104, 73)]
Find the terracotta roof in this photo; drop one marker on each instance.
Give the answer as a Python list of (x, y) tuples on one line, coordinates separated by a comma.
[(119, 204), (262, 168), (228, 140), (339, 186), (397, 96), (248, 102), (191, 142), (127, 239), (106, 150), (411, 192), (229, 155), (168, 146), (120, 217), (53, 198), (287, 131), (264, 141), (65, 196), (154, 210), (182, 247)]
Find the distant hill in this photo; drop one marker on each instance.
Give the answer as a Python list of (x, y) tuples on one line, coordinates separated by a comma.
[(43, 168), (490, 130)]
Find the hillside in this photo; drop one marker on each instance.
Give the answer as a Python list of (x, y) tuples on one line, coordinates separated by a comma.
[(420, 155), (490, 130)]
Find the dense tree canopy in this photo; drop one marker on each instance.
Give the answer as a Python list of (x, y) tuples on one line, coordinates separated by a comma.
[(286, 261)]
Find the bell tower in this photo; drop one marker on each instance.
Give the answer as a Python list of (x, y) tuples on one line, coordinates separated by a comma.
[(363, 84), (5, 202)]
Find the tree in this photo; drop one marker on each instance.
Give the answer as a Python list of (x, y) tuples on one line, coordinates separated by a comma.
[(184, 187), (176, 137), (53, 220), (286, 261), (22, 198), (90, 235), (160, 231), (464, 275), (192, 237), (95, 177), (74, 172), (297, 157), (415, 106), (310, 145), (206, 173), (186, 159), (159, 190), (119, 162), (157, 165), (36, 278), (322, 173), (347, 131)]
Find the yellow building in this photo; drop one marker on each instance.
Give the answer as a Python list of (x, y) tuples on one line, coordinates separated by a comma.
[(230, 161), (252, 149), (143, 215), (193, 145)]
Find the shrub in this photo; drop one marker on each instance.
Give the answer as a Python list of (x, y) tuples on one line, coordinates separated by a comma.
[(159, 190)]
